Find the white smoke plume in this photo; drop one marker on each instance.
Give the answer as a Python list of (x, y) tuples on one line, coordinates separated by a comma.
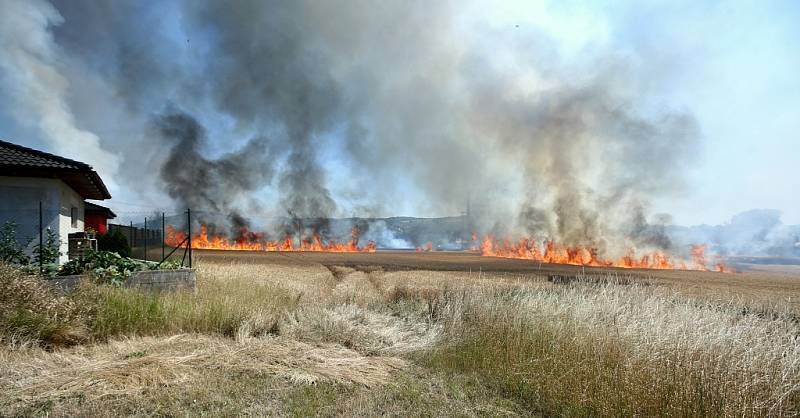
[(34, 89)]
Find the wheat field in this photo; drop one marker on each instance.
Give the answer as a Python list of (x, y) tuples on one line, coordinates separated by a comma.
[(310, 339)]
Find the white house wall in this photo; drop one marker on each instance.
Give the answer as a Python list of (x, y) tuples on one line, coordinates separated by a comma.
[(19, 202), (69, 199)]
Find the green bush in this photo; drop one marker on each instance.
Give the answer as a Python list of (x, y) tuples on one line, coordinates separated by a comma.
[(11, 250), (47, 252), (45, 255), (115, 242)]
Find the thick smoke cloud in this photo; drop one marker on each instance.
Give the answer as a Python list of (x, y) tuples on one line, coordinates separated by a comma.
[(217, 186), (271, 72), (589, 161), (368, 109)]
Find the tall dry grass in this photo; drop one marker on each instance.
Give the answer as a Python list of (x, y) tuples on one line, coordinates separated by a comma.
[(589, 349), (220, 306), (32, 313)]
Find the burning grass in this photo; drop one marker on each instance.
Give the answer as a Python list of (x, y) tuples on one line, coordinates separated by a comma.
[(311, 340), (254, 241), (546, 251), (549, 251)]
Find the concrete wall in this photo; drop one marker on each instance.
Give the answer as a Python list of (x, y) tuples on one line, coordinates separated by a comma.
[(19, 202), (151, 281)]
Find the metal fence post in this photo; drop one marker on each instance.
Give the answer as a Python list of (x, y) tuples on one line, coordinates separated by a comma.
[(41, 239), (189, 228), (145, 238), (163, 236)]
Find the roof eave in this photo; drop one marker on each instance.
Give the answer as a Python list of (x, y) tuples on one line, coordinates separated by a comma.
[(101, 187), (86, 183)]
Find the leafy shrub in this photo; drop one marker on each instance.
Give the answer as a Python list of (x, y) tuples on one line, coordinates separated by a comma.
[(168, 265), (111, 268), (11, 250), (115, 242), (48, 252)]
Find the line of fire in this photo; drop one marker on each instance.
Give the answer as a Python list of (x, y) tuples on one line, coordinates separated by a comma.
[(431, 234)]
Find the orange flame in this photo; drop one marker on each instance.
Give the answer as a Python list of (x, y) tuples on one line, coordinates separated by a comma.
[(253, 241), (551, 252)]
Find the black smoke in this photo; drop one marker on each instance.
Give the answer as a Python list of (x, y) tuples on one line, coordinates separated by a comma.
[(270, 72), (212, 187)]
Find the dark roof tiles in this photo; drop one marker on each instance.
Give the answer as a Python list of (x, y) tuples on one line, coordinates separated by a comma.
[(13, 154), (16, 160)]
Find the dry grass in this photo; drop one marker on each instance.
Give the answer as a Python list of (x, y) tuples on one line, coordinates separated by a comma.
[(128, 366), (226, 305), (32, 313), (300, 339), (613, 350)]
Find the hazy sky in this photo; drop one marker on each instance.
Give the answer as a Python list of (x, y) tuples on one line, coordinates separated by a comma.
[(734, 65)]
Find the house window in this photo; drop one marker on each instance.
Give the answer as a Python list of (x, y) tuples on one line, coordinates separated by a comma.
[(73, 216)]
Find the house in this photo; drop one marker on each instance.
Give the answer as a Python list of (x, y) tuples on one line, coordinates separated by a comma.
[(96, 217), (31, 179)]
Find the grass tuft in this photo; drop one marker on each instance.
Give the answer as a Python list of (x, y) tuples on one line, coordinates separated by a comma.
[(232, 308), (32, 313)]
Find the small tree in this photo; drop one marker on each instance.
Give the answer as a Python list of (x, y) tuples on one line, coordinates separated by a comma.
[(11, 251), (115, 242), (48, 252)]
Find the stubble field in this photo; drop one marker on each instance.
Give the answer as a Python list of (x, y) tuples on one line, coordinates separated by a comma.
[(409, 334)]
